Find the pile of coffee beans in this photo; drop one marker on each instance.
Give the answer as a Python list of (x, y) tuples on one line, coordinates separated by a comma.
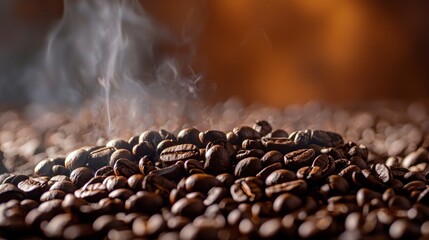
[(254, 182)]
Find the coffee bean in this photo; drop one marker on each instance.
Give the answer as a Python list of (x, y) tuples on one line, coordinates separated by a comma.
[(80, 231), (299, 158), (80, 176), (226, 179), (158, 184), (9, 191), (193, 164), (188, 207), (247, 167), (144, 148), (121, 193), (164, 144), (119, 143), (33, 188), (65, 186), (265, 172), (286, 203), (312, 174), (281, 144), (180, 152), (246, 191), (280, 176), (217, 160), (60, 170), (151, 227), (106, 222), (173, 172), (271, 157), (262, 127), (189, 135), (146, 165), (403, 228), (335, 185), (44, 168), (144, 202), (365, 195), (325, 138), (326, 164), (215, 195), (242, 154), (105, 171), (15, 179), (211, 135), (246, 132), (201, 183), (92, 192), (296, 187), (152, 137), (301, 138), (278, 133), (135, 181), (52, 194), (115, 182), (421, 155), (76, 159), (126, 168), (121, 153)]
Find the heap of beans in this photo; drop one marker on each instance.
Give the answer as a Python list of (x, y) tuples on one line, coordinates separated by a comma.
[(250, 183)]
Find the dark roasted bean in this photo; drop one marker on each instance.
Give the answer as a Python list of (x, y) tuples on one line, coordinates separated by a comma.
[(152, 137), (280, 176), (265, 172), (119, 143), (60, 170), (164, 144), (299, 158), (135, 181), (247, 167), (336, 185), (246, 132), (66, 186), (246, 191), (121, 153), (173, 172), (226, 179), (281, 144), (242, 154), (296, 187), (158, 184), (126, 168), (326, 164), (271, 157), (144, 148), (76, 159), (286, 203), (325, 138), (105, 171), (217, 160), (52, 194), (15, 179), (301, 138), (115, 182), (44, 168), (263, 127), (9, 191), (181, 152), (211, 135), (201, 183), (33, 188), (188, 207), (278, 133), (189, 135), (80, 176), (100, 157), (144, 202)]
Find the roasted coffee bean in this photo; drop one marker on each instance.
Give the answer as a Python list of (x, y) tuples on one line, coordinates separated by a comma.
[(399, 202), (271, 157), (44, 168), (121, 193), (134, 140), (158, 184), (325, 138), (106, 222), (151, 227), (211, 135), (119, 143), (92, 192), (296, 187), (246, 132), (65, 186), (217, 160), (135, 181), (9, 191), (60, 170), (286, 203), (281, 144), (166, 135), (152, 137), (421, 155), (263, 127), (335, 185), (100, 157), (404, 229), (201, 183), (33, 187), (115, 182), (242, 154), (299, 158), (121, 153), (365, 195), (144, 202), (126, 168), (280, 176), (301, 138), (80, 176), (180, 152), (312, 174), (52, 194), (359, 151), (278, 133), (347, 172), (173, 172), (326, 164), (76, 159), (144, 148), (80, 231), (105, 171), (252, 144), (215, 195), (189, 135), (164, 144), (226, 179), (246, 191), (247, 167), (265, 172), (15, 179), (424, 197), (146, 165), (188, 207), (59, 178), (193, 164)]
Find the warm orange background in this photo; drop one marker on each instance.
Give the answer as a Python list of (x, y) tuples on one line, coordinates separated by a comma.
[(280, 52)]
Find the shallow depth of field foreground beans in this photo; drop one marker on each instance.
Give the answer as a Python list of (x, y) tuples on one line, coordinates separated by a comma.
[(252, 182)]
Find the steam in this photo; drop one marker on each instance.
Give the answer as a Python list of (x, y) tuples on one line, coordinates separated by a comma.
[(105, 56)]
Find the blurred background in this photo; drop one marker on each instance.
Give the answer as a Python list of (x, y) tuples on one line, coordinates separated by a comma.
[(272, 52)]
